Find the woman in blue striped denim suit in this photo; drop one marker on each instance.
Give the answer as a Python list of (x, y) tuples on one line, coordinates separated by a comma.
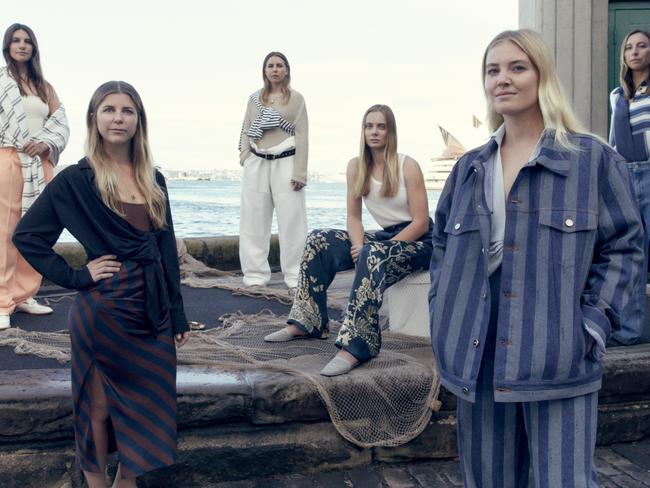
[(630, 136), (536, 242)]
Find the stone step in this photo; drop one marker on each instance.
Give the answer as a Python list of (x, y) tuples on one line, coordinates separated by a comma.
[(240, 424)]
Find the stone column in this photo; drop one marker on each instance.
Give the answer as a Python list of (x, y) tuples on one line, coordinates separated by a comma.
[(576, 31)]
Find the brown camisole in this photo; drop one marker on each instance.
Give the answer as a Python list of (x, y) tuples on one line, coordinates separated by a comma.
[(137, 216)]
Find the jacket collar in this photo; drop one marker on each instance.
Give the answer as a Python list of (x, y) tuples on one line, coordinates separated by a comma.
[(84, 164), (551, 156), (548, 155)]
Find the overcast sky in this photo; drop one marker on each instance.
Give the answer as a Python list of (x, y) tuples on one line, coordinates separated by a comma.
[(195, 63)]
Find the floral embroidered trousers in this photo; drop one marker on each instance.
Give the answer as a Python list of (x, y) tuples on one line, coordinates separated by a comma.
[(382, 262)]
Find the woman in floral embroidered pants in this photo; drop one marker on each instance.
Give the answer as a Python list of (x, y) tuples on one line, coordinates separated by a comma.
[(392, 187)]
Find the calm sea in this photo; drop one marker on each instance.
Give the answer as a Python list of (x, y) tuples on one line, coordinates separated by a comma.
[(211, 208)]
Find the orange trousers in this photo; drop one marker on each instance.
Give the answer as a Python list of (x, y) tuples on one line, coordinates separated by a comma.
[(18, 280)]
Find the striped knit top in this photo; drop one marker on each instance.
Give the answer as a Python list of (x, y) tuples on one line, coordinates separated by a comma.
[(630, 128), (270, 129)]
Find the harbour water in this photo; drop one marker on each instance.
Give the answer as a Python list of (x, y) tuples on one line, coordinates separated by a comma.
[(211, 208)]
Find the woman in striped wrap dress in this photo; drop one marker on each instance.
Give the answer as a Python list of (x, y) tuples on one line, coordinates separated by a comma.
[(128, 317)]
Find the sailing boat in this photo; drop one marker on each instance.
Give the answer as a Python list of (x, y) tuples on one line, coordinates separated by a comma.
[(436, 175)]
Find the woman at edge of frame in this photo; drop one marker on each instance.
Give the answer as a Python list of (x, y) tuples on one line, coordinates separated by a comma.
[(273, 149), (536, 242), (391, 186), (127, 319), (630, 136), (36, 132)]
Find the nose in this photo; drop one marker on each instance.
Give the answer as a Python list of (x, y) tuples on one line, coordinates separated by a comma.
[(503, 79)]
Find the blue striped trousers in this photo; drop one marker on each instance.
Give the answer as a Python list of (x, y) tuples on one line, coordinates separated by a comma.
[(499, 442)]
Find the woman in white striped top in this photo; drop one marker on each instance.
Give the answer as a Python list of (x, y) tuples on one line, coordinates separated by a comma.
[(33, 132), (273, 152), (630, 136)]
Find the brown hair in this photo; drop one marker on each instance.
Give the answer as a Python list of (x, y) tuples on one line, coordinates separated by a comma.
[(34, 71), (625, 77), (139, 153), (286, 91), (390, 182)]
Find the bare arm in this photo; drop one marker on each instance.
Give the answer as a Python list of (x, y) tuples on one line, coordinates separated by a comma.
[(354, 223), (418, 202)]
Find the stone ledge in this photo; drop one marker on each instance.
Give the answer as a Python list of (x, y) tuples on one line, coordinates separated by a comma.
[(35, 404), (237, 451)]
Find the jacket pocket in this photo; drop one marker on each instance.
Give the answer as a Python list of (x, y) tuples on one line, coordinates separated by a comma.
[(566, 234), (460, 224), (463, 240)]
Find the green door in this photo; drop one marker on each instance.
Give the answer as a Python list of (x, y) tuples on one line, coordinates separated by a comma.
[(623, 17)]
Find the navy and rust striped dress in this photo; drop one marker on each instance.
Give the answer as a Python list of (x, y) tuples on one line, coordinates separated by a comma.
[(109, 331), (121, 328)]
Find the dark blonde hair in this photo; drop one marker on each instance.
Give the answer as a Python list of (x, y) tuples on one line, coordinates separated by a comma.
[(625, 76), (390, 182), (34, 71), (556, 110), (286, 83), (139, 153)]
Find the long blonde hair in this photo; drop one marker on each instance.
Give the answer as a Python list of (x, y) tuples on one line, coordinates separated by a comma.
[(625, 76), (556, 110), (139, 153), (390, 181), (286, 83)]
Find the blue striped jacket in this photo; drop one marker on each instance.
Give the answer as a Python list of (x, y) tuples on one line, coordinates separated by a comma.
[(572, 252)]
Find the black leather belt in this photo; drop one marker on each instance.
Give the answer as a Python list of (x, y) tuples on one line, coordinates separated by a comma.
[(271, 157)]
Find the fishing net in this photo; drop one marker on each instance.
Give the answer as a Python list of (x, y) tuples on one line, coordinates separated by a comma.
[(385, 402)]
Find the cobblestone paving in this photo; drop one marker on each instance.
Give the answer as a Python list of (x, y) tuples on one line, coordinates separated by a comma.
[(619, 466)]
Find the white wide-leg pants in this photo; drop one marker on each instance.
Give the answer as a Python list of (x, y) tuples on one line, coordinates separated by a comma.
[(266, 184)]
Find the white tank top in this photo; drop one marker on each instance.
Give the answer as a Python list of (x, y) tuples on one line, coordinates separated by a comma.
[(36, 113), (389, 211)]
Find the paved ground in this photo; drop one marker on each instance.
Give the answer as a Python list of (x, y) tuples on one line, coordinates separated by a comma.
[(619, 466)]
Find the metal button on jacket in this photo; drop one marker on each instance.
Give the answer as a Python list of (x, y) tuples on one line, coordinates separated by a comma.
[(457, 225), (476, 342), (568, 222), (465, 390)]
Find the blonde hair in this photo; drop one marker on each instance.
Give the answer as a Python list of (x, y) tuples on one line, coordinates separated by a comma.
[(266, 90), (556, 111), (625, 76), (390, 182), (139, 153)]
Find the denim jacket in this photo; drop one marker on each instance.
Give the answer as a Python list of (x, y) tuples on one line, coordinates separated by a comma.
[(571, 254)]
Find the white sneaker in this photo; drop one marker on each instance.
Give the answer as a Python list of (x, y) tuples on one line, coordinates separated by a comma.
[(32, 307), (4, 321)]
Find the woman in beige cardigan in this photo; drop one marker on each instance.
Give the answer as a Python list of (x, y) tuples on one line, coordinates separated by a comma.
[(273, 153)]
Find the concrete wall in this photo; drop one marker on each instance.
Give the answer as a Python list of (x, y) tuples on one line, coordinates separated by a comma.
[(576, 31)]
